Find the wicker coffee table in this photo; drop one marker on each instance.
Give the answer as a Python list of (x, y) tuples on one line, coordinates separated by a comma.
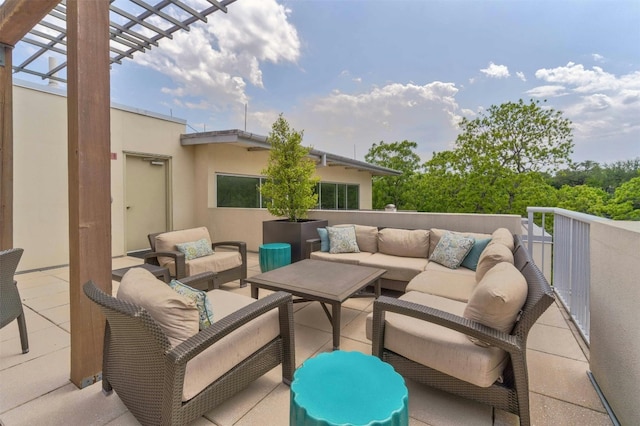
[(325, 282)]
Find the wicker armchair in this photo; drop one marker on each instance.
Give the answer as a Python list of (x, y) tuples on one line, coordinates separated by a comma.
[(164, 253), (150, 376), (512, 393), (10, 302)]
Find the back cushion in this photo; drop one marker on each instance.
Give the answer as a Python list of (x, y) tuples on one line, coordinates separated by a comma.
[(490, 257), (404, 242), (504, 237), (177, 315), (168, 240), (497, 299)]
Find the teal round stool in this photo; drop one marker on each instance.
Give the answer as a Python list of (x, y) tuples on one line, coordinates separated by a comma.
[(274, 255), (348, 388)]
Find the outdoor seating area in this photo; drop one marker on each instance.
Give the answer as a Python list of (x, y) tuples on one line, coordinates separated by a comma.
[(35, 387)]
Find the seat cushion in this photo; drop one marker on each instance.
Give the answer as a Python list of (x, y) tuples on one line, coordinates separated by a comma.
[(229, 351), (497, 299), (167, 241), (438, 347), (404, 242), (177, 315), (398, 268), (217, 262), (350, 258), (441, 281)]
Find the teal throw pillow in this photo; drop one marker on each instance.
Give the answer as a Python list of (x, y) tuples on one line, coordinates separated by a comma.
[(471, 261), (195, 249), (324, 239), (342, 239), (201, 300), (452, 249)]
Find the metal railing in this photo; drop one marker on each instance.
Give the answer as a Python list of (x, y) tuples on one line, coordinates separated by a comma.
[(570, 268)]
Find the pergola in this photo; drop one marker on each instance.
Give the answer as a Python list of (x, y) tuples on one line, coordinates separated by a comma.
[(91, 35)]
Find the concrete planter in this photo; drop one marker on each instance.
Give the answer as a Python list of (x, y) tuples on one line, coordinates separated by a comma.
[(294, 233)]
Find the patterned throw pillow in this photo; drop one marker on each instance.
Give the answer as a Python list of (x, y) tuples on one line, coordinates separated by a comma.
[(195, 249), (342, 239), (201, 300), (452, 249)]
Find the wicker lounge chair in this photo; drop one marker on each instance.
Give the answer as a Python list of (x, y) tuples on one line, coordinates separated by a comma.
[(10, 302), (512, 393), (151, 377), (164, 253)]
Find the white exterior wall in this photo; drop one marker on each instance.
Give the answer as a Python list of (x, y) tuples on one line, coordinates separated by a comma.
[(41, 210)]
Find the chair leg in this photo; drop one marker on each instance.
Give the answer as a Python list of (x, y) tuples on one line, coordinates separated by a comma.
[(22, 327)]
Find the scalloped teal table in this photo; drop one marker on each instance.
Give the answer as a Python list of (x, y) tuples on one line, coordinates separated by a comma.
[(348, 388), (274, 255)]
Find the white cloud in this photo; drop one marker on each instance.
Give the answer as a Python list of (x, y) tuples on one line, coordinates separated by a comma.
[(217, 60), (521, 76), (597, 57), (602, 106), (496, 71), (427, 114), (549, 91)]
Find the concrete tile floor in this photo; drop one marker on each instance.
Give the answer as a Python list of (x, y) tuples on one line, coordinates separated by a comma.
[(35, 387)]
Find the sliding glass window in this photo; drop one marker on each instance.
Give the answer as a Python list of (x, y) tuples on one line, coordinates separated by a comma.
[(338, 196)]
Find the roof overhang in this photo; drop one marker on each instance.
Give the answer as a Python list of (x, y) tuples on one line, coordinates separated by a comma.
[(255, 142)]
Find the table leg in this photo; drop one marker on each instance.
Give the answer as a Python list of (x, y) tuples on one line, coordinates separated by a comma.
[(377, 288), (335, 310), (254, 291)]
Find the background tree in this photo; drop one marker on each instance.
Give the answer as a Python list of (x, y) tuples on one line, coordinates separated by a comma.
[(495, 154), (583, 199), (395, 190), (289, 188), (625, 204)]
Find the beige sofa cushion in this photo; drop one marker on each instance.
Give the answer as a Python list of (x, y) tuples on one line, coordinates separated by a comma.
[(438, 347), (490, 257), (441, 281), (404, 242), (498, 298), (225, 354), (217, 262), (398, 268), (435, 234), (175, 314), (503, 236), (350, 258), (168, 240)]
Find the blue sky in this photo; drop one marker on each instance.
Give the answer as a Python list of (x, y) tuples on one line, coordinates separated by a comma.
[(352, 73)]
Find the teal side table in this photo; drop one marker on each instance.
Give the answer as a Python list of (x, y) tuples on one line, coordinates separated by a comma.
[(274, 255), (348, 388)]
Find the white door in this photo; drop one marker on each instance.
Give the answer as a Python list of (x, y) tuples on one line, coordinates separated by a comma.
[(146, 199)]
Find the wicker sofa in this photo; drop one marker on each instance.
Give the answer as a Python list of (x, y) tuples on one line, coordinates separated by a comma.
[(405, 254)]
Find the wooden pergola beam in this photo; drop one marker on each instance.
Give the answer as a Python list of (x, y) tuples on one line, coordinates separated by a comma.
[(88, 106), (18, 17)]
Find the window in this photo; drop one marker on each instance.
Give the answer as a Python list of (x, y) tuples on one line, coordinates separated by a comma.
[(338, 196), (244, 191), (239, 191)]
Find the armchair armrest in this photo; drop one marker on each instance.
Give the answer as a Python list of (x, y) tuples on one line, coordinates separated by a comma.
[(200, 281), (312, 244), (178, 259), (471, 328), (194, 345)]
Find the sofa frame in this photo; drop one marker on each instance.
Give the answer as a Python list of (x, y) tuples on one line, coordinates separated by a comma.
[(512, 395)]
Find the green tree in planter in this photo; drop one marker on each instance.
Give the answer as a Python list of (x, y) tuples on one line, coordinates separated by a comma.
[(290, 184)]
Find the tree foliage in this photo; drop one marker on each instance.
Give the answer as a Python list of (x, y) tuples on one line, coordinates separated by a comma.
[(289, 188), (583, 199), (625, 204), (395, 190)]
